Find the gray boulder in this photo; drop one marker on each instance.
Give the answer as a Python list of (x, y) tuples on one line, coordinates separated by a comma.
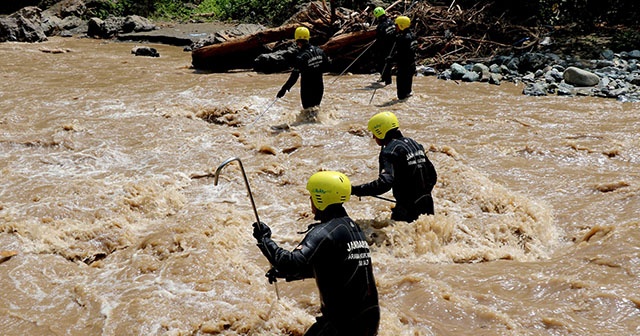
[(580, 77), (457, 71), (24, 25), (135, 23)]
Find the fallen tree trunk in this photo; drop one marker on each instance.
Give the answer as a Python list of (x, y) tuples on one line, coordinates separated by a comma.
[(239, 52), (336, 45)]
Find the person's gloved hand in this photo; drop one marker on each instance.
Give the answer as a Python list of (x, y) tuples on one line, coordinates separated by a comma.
[(356, 191), (389, 59), (261, 230), (281, 93), (272, 275)]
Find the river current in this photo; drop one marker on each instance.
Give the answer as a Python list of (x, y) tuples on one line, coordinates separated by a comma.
[(111, 224)]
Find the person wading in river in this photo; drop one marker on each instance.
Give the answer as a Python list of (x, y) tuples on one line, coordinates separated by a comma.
[(403, 167), (311, 62), (404, 56), (385, 36), (335, 253)]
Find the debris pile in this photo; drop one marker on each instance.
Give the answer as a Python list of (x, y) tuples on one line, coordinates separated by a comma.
[(445, 35)]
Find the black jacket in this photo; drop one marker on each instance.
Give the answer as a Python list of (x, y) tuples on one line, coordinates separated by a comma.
[(336, 254), (405, 50), (311, 62), (385, 37), (405, 168)]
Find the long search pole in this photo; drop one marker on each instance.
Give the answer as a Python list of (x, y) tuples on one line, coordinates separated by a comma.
[(362, 53), (253, 204), (386, 62), (263, 112)]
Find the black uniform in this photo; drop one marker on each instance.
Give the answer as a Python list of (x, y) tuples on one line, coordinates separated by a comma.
[(336, 254), (405, 168), (385, 37), (405, 59), (311, 62)]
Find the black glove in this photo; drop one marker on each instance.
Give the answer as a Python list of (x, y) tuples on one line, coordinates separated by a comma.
[(261, 231), (389, 59), (273, 275), (356, 191), (281, 93)]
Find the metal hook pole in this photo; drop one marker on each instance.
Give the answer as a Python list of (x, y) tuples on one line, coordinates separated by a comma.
[(260, 116), (383, 70), (345, 70), (253, 204), (246, 182)]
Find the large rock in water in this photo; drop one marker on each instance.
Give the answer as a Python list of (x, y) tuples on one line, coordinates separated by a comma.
[(24, 25), (579, 77)]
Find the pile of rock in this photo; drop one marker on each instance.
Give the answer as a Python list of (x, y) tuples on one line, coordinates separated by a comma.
[(615, 75), (67, 18)]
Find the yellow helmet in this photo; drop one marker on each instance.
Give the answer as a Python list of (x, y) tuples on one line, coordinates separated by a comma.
[(403, 22), (382, 123), (378, 12), (328, 187), (302, 33)]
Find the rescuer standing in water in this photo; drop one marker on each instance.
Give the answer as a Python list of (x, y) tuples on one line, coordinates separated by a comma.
[(403, 167), (310, 64), (335, 253)]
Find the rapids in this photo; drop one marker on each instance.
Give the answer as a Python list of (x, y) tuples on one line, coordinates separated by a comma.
[(110, 223)]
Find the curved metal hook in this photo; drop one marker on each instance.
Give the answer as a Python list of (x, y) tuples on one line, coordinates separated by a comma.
[(253, 204), (246, 182)]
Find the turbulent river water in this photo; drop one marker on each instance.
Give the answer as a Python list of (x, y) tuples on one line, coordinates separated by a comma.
[(111, 224)]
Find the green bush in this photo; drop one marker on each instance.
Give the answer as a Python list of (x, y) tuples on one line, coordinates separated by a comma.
[(265, 12)]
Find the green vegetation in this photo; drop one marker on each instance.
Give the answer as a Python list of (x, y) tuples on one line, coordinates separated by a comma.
[(266, 12)]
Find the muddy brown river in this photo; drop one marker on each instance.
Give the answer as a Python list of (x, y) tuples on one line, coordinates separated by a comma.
[(110, 222)]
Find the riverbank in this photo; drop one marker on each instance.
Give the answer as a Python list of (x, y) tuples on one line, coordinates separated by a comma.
[(541, 65), (178, 34)]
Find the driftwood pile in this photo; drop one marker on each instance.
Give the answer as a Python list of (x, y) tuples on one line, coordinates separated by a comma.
[(445, 35)]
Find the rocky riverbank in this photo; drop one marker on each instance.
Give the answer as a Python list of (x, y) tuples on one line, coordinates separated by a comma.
[(613, 75)]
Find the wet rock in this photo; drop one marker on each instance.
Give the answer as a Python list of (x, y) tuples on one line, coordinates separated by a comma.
[(580, 77), (607, 54), (23, 26), (50, 24), (114, 26), (426, 71), (482, 71), (533, 61), (135, 23), (145, 51), (457, 71), (470, 76), (495, 79), (274, 62), (535, 89), (633, 54)]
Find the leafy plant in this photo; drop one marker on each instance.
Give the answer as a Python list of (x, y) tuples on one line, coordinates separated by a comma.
[(266, 12)]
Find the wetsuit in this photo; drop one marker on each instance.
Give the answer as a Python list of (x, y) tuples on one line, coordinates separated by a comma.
[(385, 36), (336, 254), (311, 62), (405, 59), (405, 168)]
